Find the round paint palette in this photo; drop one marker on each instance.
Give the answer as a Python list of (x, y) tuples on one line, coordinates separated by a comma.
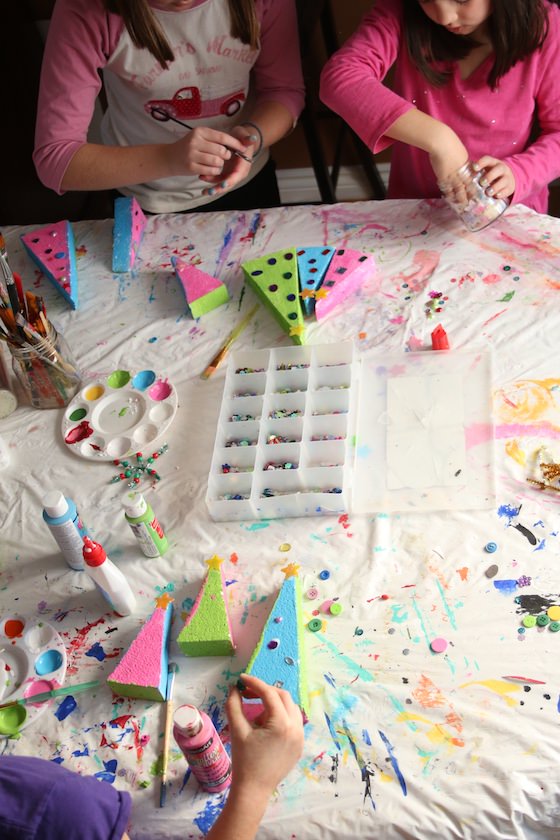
[(32, 661), (111, 418)]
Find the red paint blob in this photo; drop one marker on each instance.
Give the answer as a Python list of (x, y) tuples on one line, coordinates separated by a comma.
[(13, 628), (80, 432)]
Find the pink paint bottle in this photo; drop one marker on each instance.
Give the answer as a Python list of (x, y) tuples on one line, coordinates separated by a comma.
[(200, 743)]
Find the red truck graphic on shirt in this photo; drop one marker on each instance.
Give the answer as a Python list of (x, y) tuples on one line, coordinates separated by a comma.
[(187, 102)]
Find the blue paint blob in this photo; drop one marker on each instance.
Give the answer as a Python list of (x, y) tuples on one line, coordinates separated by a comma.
[(506, 587), (509, 511), (97, 652), (365, 736), (143, 380), (66, 707), (208, 816), (48, 662), (108, 775)]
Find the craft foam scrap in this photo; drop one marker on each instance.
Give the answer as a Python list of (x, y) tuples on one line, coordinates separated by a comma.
[(142, 671), (207, 630)]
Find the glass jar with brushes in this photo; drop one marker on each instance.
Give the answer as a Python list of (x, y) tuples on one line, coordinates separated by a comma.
[(44, 367)]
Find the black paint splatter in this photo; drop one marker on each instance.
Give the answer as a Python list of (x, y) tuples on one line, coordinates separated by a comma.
[(535, 604), (526, 533)]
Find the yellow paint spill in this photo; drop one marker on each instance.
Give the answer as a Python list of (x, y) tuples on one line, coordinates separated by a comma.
[(514, 451), (499, 687)]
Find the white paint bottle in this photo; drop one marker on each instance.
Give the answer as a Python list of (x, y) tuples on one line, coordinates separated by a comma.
[(66, 526), (109, 579)]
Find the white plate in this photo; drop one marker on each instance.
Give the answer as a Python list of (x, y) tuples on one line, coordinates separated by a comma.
[(32, 661), (114, 416)]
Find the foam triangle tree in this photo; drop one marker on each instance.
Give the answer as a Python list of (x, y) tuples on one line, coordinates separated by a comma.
[(128, 231), (347, 271), (207, 630), (203, 292), (142, 671), (279, 657), (53, 250), (313, 262), (274, 279)]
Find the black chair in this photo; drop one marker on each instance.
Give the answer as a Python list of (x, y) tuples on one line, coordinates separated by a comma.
[(313, 14)]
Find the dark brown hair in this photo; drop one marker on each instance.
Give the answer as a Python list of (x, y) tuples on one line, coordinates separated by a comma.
[(145, 31), (516, 27)]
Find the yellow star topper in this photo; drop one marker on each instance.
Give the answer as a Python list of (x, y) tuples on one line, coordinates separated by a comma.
[(291, 570), (163, 600), (307, 293), (299, 329), (215, 562), (321, 293)]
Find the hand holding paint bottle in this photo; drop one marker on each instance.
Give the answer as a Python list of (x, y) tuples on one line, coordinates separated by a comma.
[(145, 527), (108, 578), (200, 743)]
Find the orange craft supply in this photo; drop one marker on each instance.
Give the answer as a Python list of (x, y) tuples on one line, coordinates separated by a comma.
[(439, 339)]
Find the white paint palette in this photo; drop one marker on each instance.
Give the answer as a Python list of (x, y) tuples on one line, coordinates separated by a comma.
[(32, 661), (117, 415)]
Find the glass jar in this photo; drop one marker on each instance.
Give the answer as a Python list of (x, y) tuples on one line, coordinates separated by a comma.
[(468, 197), (46, 370)]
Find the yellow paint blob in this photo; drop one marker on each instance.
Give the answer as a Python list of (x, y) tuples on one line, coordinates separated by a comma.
[(553, 613), (514, 452), (285, 547), (94, 392)]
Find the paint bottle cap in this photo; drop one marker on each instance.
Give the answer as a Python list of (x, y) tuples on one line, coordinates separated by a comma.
[(187, 719), (94, 553), (55, 504), (134, 505)]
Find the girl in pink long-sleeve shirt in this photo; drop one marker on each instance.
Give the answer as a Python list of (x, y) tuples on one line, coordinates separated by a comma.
[(228, 69), (476, 79)]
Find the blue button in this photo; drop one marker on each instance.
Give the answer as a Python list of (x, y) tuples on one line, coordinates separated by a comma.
[(491, 547), (324, 575)]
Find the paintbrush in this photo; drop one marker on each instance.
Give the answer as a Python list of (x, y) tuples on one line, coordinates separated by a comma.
[(171, 671), (48, 695), (228, 342)]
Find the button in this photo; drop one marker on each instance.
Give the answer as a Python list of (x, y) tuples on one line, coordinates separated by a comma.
[(554, 626), (529, 621), (335, 609), (553, 613), (324, 575), (312, 593), (543, 620), (273, 644), (438, 645), (490, 547), (314, 625), (491, 571)]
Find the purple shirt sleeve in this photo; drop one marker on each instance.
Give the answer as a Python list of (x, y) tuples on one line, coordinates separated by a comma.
[(57, 803)]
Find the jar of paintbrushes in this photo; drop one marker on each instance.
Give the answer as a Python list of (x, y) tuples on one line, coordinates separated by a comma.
[(44, 366)]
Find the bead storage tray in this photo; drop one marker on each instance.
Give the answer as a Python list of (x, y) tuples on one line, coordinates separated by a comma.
[(313, 430), (114, 416), (284, 439), (32, 661)]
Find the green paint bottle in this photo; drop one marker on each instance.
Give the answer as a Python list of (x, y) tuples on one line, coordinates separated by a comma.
[(145, 527)]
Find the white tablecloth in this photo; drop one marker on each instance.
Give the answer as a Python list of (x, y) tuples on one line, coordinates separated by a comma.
[(401, 742)]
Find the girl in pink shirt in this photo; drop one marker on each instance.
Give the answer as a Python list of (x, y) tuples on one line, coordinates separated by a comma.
[(476, 79), (195, 89)]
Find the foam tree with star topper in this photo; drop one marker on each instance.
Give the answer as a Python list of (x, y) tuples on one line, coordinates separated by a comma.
[(207, 630), (279, 657)]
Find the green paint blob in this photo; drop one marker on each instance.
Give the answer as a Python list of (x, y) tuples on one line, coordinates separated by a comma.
[(78, 414), (118, 379), (12, 719)]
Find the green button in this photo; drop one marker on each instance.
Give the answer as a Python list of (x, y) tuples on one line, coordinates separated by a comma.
[(315, 624), (335, 609), (529, 621), (542, 620), (554, 626)]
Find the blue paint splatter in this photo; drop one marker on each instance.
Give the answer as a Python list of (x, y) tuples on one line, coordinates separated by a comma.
[(97, 652), (365, 736), (390, 749), (208, 816), (66, 707), (152, 340), (509, 512), (78, 753), (330, 679), (108, 775), (558, 706), (506, 587), (332, 731), (57, 760)]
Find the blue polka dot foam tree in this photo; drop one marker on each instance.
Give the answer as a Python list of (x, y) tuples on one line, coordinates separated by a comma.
[(279, 657)]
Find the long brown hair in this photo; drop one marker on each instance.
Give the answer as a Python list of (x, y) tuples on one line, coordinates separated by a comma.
[(516, 27), (145, 31)]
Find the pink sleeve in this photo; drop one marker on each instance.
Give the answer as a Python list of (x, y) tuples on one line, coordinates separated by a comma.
[(539, 164), (81, 37), (351, 81), (277, 74)]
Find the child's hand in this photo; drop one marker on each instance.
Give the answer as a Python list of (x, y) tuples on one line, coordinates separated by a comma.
[(203, 151), (497, 177), (236, 168), (264, 751)]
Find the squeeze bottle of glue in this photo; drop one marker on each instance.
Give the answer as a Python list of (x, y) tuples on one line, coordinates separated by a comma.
[(108, 578), (66, 526), (200, 743), (145, 527)]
